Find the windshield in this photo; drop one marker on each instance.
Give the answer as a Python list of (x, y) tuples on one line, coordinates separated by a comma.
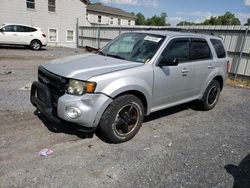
[(137, 47)]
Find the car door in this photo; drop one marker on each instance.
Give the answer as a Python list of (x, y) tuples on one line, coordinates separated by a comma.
[(8, 34), (25, 34), (172, 83), (201, 56)]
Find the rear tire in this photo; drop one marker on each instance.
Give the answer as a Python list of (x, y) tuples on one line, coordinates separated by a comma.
[(35, 45), (210, 96), (122, 119)]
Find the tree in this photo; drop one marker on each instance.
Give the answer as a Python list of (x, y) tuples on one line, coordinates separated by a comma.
[(227, 19), (248, 22), (140, 19), (153, 21)]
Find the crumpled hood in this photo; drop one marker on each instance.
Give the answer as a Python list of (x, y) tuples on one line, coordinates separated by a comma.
[(85, 66)]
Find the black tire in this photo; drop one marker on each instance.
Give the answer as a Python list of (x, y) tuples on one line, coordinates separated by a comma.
[(35, 45), (210, 96), (122, 119)]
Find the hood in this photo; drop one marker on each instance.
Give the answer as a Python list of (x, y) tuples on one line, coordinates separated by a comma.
[(83, 67)]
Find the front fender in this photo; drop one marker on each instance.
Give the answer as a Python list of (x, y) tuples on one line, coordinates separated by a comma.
[(126, 84)]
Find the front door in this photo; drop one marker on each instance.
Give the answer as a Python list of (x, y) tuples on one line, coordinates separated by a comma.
[(172, 84)]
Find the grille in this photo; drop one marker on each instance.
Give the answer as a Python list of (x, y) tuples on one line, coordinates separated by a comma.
[(55, 83)]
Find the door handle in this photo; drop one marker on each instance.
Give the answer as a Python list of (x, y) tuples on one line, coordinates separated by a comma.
[(14, 34), (210, 67), (184, 70), (31, 35)]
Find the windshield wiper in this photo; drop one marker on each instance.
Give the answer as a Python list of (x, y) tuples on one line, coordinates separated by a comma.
[(115, 56)]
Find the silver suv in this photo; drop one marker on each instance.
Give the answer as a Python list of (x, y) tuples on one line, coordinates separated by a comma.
[(134, 75)]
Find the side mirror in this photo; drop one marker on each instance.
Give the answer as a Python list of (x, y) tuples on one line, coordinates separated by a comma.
[(1, 30), (168, 62)]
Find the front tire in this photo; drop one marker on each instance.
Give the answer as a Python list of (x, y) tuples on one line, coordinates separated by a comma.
[(210, 96), (35, 45), (122, 119)]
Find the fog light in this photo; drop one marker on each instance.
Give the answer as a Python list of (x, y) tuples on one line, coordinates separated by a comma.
[(73, 112)]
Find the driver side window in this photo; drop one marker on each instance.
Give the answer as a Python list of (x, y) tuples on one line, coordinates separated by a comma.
[(177, 49)]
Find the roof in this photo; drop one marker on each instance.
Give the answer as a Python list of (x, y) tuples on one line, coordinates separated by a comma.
[(97, 7), (176, 33), (86, 1)]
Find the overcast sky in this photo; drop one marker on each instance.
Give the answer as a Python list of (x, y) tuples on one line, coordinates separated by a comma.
[(178, 10)]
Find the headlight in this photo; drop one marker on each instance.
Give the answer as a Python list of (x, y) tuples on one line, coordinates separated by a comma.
[(77, 87)]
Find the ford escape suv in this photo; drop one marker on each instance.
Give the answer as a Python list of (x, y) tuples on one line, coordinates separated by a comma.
[(134, 75)]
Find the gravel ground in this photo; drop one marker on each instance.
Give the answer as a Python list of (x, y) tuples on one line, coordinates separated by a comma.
[(177, 147)]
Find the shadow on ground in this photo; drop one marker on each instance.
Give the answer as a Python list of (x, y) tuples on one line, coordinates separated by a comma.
[(81, 132), (66, 128), (241, 173)]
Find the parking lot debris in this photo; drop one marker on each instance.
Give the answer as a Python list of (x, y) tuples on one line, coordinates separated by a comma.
[(170, 144), (45, 152), (6, 73), (27, 87)]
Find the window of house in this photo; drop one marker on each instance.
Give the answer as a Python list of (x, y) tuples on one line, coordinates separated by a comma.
[(99, 19), (52, 5), (30, 4), (70, 36), (53, 35), (129, 22), (111, 21), (119, 21), (87, 16)]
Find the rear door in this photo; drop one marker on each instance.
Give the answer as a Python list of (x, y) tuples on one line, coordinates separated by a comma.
[(25, 34), (201, 55), (172, 83)]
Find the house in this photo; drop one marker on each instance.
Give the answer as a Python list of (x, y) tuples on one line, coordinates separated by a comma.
[(56, 18), (98, 14)]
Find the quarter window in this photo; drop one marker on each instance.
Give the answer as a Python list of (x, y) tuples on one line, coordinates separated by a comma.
[(70, 35), (219, 48), (52, 5), (177, 49), (199, 49), (30, 4), (53, 35)]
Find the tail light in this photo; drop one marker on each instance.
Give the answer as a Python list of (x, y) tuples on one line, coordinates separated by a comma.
[(43, 35)]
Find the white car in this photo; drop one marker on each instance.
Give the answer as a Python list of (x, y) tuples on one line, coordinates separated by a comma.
[(17, 34)]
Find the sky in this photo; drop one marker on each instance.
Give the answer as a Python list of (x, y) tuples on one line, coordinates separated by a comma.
[(179, 10)]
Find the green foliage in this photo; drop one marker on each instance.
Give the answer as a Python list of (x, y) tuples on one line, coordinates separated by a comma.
[(227, 19), (248, 22), (153, 21), (140, 19)]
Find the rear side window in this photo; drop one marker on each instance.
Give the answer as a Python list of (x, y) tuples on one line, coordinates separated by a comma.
[(199, 49), (25, 29), (219, 48)]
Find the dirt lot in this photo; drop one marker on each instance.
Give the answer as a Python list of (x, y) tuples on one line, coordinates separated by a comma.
[(178, 147)]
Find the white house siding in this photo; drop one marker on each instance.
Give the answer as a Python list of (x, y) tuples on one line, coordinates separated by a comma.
[(63, 19), (106, 18)]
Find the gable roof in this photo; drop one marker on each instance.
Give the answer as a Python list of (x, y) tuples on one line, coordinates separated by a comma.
[(86, 1), (97, 7)]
